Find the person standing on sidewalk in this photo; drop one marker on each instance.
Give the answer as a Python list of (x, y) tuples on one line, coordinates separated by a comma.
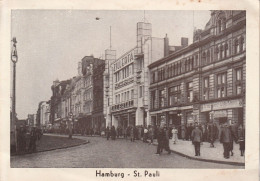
[(196, 136), (174, 135), (159, 140), (108, 132), (212, 134), (166, 140), (233, 138), (241, 139), (132, 131), (145, 134), (151, 133), (225, 139)]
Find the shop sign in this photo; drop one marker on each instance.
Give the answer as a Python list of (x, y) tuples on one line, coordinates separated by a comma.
[(219, 114), (124, 83), (222, 105), (227, 104), (124, 60)]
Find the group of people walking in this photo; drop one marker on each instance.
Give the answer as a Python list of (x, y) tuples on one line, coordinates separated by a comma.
[(27, 142), (196, 133)]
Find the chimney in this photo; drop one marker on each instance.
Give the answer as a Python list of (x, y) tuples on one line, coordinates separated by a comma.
[(184, 41), (166, 46)]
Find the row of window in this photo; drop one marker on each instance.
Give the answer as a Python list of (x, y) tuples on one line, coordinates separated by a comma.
[(174, 93), (124, 96), (222, 51), (124, 73)]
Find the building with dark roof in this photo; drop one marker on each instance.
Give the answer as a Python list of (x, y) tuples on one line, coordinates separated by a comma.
[(204, 81)]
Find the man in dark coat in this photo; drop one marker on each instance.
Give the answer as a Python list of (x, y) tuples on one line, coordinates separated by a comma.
[(196, 137), (233, 137), (113, 132), (108, 132), (166, 140), (225, 138), (33, 138), (213, 131), (159, 140)]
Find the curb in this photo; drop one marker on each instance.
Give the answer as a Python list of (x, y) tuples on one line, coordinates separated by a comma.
[(206, 160), (52, 149)]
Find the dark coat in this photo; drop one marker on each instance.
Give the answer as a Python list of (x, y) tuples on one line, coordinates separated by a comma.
[(213, 132), (225, 135), (196, 135)]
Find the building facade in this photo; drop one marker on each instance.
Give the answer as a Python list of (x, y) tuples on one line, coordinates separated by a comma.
[(204, 81), (128, 79)]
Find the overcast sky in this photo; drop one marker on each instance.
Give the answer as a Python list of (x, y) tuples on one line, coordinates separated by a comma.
[(51, 42)]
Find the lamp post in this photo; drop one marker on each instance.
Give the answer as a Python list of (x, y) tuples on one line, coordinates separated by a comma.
[(14, 59)]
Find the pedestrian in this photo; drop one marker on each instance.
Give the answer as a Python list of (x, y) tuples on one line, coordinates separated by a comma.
[(225, 139), (113, 132), (212, 134), (174, 135), (166, 140), (136, 133), (196, 136), (33, 138), (145, 134), (117, 130), (151, 133), (187, 132), (241, 139), (108, 132), (183, 131), (132, 130), (159, 140), (233, 137)]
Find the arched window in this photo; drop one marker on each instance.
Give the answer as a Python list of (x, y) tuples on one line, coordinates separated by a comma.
[(223, 21), (192, 63), (203, 58), (236, 46), (217, 52), (226, 50), (186, 65), (242, 44), (221, 51), (208, 56), (219, 26)]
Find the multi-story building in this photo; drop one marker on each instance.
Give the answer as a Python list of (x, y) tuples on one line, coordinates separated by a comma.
[(31, 120), (56, 111), (206, 80), (90, 67), (128, 78), (43, 114), (98, 114)]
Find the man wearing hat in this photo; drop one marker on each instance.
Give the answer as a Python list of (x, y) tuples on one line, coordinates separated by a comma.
[(225, 139), (196, 136)]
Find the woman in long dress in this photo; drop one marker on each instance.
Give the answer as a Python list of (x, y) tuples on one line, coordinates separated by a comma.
[(174, 135)]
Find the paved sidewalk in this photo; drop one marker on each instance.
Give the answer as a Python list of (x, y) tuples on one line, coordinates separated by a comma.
[(185, 148)]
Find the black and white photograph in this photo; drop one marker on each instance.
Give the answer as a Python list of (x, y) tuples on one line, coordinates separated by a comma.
[(128, 89)]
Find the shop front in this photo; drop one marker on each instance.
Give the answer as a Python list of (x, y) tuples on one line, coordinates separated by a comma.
[(223, 112), (124, 118)]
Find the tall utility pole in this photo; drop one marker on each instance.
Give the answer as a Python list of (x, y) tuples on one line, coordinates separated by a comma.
[(14, 58), (110, 39)]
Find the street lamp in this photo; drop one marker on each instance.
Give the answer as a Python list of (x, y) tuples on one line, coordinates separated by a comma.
[(14, 59)]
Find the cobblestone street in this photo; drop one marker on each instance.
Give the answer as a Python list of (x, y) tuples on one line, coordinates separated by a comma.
[(100, 153)]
